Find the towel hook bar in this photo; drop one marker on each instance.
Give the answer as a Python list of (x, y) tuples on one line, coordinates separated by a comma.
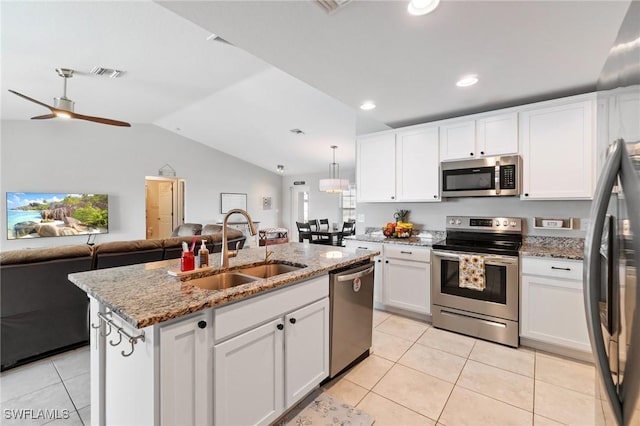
[(108, 322)]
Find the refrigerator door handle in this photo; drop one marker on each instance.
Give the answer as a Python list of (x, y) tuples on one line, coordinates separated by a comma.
[(592, 273)]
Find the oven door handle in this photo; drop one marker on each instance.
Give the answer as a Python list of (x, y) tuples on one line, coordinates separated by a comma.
[(445, 255), (488, 260)]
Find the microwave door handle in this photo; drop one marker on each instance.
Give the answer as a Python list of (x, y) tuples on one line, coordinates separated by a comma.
[(497, 178), (592, 274)]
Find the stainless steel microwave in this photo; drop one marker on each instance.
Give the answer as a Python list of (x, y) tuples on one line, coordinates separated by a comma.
[(484, 177)]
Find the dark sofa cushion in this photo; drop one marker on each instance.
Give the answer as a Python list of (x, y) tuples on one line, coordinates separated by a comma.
[(122, 253), (40, 310)]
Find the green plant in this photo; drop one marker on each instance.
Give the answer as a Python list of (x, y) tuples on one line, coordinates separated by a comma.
[(401, 215), (92, 216)]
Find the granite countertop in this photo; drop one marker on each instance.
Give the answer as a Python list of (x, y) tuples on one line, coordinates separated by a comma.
[(425, 240), (145, 294), (556, 247)]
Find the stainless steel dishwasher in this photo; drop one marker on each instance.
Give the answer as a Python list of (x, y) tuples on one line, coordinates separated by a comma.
[(351, 295)]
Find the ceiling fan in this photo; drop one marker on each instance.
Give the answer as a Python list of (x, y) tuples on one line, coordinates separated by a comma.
[(63, 106)]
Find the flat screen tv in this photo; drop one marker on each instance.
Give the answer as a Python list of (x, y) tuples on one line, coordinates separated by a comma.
[(38, 214)]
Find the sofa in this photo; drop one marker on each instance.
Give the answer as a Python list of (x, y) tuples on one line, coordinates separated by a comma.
[(42, 313)]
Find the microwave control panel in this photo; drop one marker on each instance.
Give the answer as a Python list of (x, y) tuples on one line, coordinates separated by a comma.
[(508, 176)]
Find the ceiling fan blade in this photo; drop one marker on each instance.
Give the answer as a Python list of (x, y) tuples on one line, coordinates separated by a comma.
[(32, 100), (43, 117), (99, 120)]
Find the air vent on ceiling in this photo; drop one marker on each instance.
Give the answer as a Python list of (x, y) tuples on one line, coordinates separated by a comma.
[(297, 131), (107, 72), (331, 6)]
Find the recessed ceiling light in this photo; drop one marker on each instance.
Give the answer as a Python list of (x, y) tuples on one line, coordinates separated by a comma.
[(422, 7), (280, 168), (367, 105), (297, 131), (467, 80)]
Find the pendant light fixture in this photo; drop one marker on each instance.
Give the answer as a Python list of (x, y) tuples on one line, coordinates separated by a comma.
[(334, 184)]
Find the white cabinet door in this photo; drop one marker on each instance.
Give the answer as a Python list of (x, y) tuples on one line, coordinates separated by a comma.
[(558, 146), (417, 161), (552, 306), (185, 373), (248, 387), (553, 312), (376, 168), (457, 140), (497, 135), (624, 116), (306, 350), (407, 285)]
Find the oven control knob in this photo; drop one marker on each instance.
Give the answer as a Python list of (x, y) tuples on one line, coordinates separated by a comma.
[(504, 223), (497, 223), (458, 222), (452, 222), (513, 223)]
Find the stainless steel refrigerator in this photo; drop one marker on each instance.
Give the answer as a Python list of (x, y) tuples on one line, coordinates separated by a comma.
[(612, 248)]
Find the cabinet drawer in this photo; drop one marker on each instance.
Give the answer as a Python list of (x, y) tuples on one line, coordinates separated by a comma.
[(556, 268), (233, 319), (399, 251), (362, 245)]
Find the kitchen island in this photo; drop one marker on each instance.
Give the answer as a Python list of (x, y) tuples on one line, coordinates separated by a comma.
[(165, 351)]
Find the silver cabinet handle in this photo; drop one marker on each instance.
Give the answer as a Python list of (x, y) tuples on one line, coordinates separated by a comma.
[(561, 269), (406, 252)]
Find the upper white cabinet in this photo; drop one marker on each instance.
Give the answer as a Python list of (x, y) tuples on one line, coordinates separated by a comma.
[(487, 136), (558, 151), (497, 135), (417, 165), (399, 167), (376, 168), (458, 140)]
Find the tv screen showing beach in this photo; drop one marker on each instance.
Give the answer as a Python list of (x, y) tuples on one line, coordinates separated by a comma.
[(37, 214)]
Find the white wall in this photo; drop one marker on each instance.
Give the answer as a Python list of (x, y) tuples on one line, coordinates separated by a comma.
[(432, 215), (76, 156)]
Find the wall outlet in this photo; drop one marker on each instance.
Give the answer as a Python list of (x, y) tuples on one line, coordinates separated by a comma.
[(361, 218)]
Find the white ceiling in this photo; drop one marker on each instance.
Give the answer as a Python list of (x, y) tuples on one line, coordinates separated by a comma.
[(225, 97)]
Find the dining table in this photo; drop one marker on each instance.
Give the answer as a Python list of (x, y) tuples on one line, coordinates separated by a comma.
[(331, 235)]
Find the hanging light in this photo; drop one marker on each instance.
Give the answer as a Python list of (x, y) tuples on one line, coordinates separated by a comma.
[(334, 184)]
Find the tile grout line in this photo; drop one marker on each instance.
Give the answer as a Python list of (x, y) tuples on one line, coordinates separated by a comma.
[(64, 385), (456, 382)]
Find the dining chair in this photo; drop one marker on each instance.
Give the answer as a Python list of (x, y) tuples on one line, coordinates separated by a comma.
[(304, 231), (323, 225), (348, 228), (315, 225)]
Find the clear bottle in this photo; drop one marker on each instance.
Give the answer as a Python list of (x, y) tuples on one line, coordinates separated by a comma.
[(203, 255)]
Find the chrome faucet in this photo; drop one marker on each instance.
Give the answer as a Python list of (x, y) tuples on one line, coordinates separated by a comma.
[(226, 253)]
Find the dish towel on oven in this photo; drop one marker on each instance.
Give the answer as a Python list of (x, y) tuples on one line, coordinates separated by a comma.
[(471, 272)]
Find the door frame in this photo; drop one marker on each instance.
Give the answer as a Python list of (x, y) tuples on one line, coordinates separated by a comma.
[(293, 195), (178, 199)]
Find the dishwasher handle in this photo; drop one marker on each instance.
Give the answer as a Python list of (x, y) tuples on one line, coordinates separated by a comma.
[(355, 275)]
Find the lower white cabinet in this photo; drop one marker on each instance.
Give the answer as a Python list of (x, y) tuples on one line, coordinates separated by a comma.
[(185, 372), (249, 375), (264, 371), (552, 304), (407, 278)]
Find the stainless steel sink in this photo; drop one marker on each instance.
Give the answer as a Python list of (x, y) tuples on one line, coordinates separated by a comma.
[(269, 269), (221, 281)]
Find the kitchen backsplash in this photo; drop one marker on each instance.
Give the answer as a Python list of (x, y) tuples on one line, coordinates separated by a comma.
[(432, 216)]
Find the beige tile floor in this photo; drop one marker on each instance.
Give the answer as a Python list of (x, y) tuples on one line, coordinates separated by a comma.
[(417, 375), (420, 375)]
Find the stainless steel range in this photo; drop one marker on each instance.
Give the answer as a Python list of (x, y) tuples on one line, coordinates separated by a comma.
[(475, 278)]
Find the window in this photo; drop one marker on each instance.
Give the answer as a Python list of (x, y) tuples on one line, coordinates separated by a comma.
[(348, 204)]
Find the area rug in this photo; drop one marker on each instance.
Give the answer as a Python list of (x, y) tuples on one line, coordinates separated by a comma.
[(320, 409)]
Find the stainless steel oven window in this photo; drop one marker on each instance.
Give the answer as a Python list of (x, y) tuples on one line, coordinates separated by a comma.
[(495, 279)]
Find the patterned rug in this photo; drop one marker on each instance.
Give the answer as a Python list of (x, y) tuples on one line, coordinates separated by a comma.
[(322, 409)]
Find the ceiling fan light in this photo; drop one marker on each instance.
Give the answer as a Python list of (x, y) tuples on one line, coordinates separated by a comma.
[(422, 7), (63, 103), (62, 114)]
